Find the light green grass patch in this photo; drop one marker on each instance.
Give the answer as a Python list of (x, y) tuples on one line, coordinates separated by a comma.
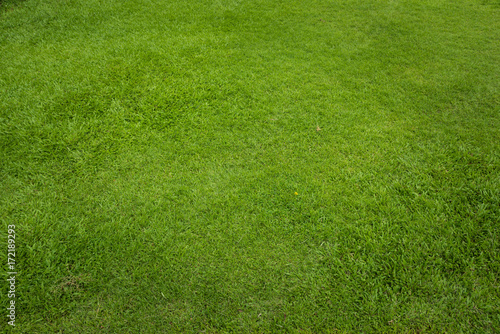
[(251, 166)]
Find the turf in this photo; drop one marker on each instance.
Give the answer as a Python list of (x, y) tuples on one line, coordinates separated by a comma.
[(251, 166)]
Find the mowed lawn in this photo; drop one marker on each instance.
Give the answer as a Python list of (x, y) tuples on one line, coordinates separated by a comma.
[(251, 166)]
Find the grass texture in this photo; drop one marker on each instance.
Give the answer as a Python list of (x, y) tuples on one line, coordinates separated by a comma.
[(251, 166)]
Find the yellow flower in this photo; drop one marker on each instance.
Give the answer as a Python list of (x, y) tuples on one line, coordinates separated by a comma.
[(296, 193)]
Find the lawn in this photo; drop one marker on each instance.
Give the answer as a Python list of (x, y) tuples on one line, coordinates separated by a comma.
[(251, 166)]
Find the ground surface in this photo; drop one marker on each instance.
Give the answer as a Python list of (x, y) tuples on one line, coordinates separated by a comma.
[(251, 166)]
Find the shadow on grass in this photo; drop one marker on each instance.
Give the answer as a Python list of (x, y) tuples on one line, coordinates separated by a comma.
[(8, 5)]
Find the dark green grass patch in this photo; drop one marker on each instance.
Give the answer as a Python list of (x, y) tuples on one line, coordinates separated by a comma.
[(251, 166)]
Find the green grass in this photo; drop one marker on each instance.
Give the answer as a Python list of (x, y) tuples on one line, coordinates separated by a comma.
[(164, 167)]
